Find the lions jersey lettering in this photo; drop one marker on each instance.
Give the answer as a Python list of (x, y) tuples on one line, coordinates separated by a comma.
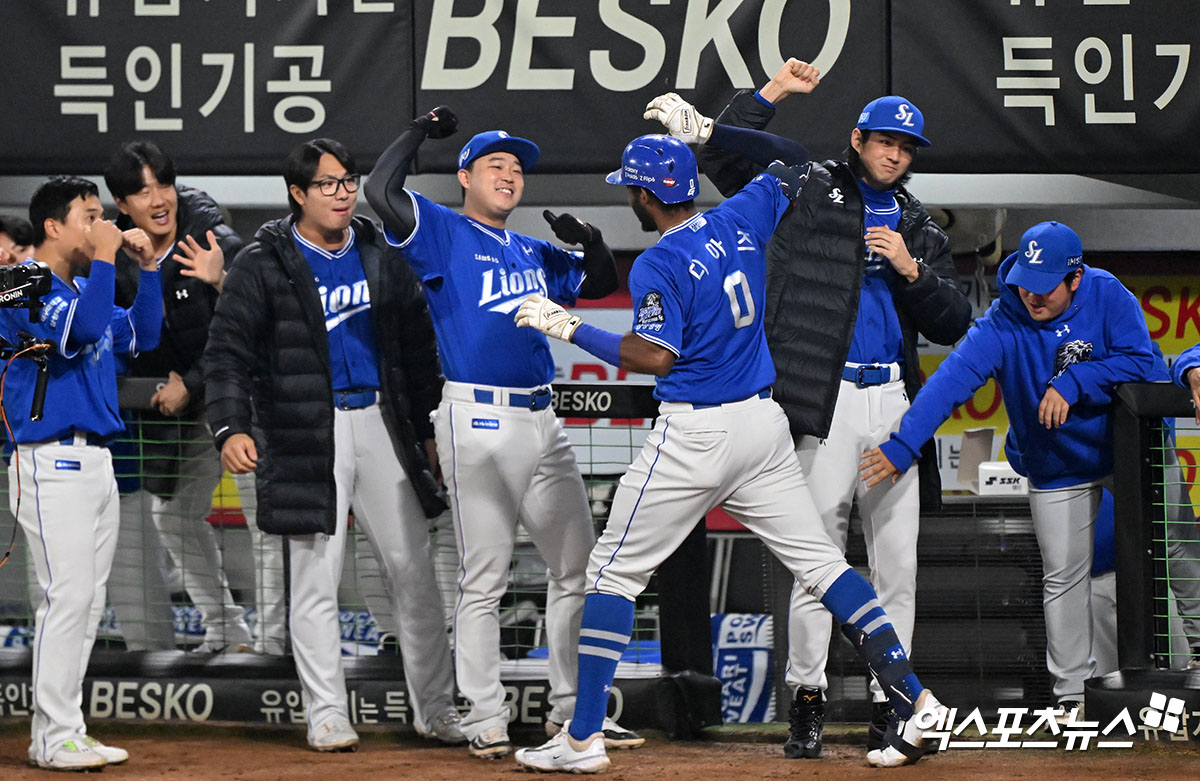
[(346, 303), (701, 288), (475, 277)]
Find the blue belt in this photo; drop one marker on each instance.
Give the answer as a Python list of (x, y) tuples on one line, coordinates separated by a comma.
[(94, 440), (765, 393), (867, 375), (538, 400), (355, 399)]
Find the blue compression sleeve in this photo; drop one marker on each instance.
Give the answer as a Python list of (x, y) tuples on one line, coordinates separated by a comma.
[(147, 311), (605, 345), (94, 309), (758, 146)]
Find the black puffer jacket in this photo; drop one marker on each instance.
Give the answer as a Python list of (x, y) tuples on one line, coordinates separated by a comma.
[(814, 272), (187, 310), (268, 343)]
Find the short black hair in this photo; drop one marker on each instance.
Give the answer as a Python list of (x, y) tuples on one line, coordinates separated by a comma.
[(669, 208), (856, 164), (123, 176), (301, 165), (52, 200), (17, 228)]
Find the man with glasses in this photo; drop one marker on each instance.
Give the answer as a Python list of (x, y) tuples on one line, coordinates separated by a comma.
[(322, 331)]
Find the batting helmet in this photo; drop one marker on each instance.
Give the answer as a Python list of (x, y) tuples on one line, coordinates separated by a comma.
[(663, 165)]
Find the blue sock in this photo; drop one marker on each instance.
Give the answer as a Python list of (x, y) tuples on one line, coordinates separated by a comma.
[(856, 607), (603, 637)]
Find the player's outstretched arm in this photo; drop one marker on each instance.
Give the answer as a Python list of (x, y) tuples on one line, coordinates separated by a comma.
[(385, 186), (598, 264), (683, 121)]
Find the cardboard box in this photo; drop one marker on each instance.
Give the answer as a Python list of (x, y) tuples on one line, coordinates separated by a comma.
[(983, 476)]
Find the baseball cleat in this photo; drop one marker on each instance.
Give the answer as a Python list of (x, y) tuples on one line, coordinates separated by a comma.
[(112, 755), (1069, 708), (883, 715), (492, 743), (806, 723), (333, 734), (446, 726), (73, 755), (905, 743), (615, 736), (563, 754)]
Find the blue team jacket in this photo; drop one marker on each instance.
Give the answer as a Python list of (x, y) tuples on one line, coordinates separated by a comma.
[(1100, 340)]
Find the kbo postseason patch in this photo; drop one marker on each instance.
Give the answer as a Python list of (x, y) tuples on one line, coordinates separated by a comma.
[(650, 315)]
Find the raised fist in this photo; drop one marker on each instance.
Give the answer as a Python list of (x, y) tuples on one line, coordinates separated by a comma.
[(439, 123), (569, 229), (680, 118)]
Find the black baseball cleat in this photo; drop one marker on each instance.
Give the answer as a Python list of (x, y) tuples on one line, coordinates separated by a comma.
[(806, 720), (883, 715)]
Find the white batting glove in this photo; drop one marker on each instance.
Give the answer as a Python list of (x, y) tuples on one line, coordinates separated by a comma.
[(548, 317), (680, 118)]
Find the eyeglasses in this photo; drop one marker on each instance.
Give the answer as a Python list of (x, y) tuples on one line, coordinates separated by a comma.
[(329, 187)]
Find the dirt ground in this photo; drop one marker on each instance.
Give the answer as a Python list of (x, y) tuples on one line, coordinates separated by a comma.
[(257, 754)]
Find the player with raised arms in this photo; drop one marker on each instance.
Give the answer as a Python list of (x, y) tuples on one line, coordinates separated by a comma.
[(503, 452), (719, 440)]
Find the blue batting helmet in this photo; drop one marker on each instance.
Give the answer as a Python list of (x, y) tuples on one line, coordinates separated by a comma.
[(663, 165)]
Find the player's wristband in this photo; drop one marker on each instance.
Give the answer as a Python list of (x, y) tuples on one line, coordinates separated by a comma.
[(605, 345)]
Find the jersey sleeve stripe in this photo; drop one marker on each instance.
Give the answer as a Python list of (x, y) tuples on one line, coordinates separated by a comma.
[(387, 234), (66, 332), (659, 342)]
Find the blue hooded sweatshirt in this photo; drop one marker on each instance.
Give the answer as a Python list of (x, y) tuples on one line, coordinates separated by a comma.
[(1100, 340), (1188, 359)]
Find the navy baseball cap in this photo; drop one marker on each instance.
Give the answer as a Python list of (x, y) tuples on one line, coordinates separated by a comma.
[(1048, 252), (498, 141), (894, 114)]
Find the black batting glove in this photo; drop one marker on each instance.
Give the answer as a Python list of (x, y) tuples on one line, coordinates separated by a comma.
[(792, 177), (571, 230), (439, 123)]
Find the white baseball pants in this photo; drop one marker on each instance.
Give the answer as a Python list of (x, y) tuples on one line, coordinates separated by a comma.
[(502, 465), (1064, 520), (70, 514), (739, 456), (369, 475), (863, 419), (192, 544), (270, 592)]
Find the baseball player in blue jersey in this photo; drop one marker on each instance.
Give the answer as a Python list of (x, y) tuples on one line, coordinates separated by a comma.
[(65, 493), (504, 455), (1058, 338), (859, 274), (1184, 376), (322, 332), (719, 439)]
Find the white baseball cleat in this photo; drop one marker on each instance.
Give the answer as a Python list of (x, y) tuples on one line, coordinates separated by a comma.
[(333, 734), (563, 754), (112, 755), (446, 726), (615, 736), (904, 744), (72, 755)]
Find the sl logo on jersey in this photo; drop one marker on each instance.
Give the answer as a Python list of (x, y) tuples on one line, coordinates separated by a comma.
[(650, 315), (905, 115), (1034, 253), (836, 196)]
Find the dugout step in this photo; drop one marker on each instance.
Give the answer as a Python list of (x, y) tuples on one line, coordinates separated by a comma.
[(1150, 696)]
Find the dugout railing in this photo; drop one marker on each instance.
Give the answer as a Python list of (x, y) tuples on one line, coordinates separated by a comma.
[(1156, 443)]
